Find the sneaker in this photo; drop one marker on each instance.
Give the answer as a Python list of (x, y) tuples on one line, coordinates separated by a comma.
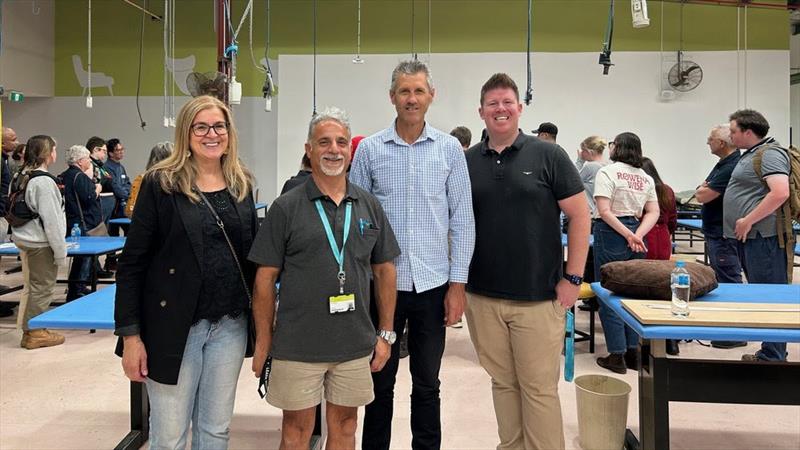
[(614, 362), (459, 324), (32, 339), (728, 344)]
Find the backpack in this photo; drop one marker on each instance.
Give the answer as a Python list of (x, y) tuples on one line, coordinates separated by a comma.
[(789, 212), (18, 212)]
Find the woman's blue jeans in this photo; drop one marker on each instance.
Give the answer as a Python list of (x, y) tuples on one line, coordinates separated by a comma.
[(610, 246), (206, 388)]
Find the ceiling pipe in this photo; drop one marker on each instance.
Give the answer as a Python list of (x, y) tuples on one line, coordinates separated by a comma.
[(736, 3), (141, 8)]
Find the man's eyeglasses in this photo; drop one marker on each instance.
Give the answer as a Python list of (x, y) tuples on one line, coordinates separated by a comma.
[(202, 129)]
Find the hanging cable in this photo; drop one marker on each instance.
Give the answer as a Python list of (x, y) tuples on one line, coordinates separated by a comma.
[(89, 58), (173, 15), (529, 90), (745, 56), (357, 59), (258, 66), (269, 89), (413, 47), (139, 77), (314, 81), (605, 54), (738, 59), (429, 31), (166, 63)]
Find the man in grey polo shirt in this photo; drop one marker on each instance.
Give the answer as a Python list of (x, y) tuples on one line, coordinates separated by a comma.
[(749, 209), (323, 239)]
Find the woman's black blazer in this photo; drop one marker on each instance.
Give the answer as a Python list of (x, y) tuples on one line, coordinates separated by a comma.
[(159, 275)]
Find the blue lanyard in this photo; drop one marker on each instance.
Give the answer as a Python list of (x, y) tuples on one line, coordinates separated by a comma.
[(569, 351), (337, 254)]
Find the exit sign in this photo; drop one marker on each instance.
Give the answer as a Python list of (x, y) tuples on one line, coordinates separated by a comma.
[(16, 96)]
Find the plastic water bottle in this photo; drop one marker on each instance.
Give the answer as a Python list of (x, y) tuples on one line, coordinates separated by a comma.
[(75, 234), (680, 283)]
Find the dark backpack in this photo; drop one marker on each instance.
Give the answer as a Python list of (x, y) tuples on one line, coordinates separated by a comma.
[(18, 212)]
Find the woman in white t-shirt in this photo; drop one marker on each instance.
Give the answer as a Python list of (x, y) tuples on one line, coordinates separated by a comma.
[(622, 190)]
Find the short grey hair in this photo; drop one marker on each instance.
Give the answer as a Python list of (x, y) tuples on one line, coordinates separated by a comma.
[(75, 154), (328, 114), (411, 68), (723, 132)]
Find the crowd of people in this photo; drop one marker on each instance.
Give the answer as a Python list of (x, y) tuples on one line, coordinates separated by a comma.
[(408, 233)]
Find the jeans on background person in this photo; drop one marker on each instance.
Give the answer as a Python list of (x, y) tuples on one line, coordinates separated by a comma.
[(206, 389), (79, 276), (426, 338), (723, 255), (610, 246), (764, 261)]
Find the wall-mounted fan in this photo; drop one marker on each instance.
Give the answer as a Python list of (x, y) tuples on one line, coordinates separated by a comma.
[(210, 83), (685, 75)]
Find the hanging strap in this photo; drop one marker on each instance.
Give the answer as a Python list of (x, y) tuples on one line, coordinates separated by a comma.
[(337, 253)]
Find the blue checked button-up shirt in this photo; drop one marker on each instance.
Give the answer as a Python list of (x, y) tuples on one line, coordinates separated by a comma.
[(424, 189)]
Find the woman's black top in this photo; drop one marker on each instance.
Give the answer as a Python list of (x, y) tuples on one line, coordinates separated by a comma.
[(222, 291)]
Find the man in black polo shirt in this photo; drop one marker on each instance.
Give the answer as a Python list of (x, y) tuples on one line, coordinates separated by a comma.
[(518, 294), (323, 239), (722, 252)]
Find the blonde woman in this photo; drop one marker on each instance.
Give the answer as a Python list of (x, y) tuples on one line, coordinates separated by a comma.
[(184, 281), (40, 240)]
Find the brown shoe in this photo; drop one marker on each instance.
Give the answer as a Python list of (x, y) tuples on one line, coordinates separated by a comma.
[(614, 362), (40, 338)]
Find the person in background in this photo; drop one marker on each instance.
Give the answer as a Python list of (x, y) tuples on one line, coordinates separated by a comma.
[(627, 209), (300, 178), (158, 153), (590, 154), (40, 241), (463, 135), (121, 187), (17, 158), (99, 154), (183, 285), (547, 132), (82, 200), (9, 141), (659, 239)]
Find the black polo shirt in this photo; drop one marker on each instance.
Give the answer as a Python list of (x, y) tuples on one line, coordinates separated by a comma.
[(718, 181), (293, 239), (515, 194)]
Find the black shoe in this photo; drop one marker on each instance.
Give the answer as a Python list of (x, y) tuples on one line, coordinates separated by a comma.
[(672, 347), (111, 264), (614, 362), (632, 359), (105, 274), (6, 310), (589, 305), (76, 295), (728, 344)]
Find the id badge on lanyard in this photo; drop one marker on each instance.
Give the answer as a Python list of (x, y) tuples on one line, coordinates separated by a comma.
[(344, 302)]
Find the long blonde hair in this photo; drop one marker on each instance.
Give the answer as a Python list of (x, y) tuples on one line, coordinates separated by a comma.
[(178, 172)]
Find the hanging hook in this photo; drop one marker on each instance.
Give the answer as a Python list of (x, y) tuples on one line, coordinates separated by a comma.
[(35, 9)]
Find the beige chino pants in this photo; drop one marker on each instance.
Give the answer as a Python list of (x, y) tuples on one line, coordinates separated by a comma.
[(39, 273), (519, 344)]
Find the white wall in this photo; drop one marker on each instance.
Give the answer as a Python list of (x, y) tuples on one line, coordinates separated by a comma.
[(569, 90), (26, 59)]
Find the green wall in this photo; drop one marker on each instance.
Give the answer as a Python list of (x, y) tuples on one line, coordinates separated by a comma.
[(469, 26)]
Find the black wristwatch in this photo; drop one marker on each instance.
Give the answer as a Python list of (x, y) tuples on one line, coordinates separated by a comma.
[(574, 279)]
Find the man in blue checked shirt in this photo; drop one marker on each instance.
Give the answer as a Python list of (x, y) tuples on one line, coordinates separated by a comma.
[(419, 174)]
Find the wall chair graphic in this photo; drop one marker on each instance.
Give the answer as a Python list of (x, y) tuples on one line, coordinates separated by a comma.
[(99, 79), (183, 67)]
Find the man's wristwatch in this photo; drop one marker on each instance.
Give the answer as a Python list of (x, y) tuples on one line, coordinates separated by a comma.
[(388, 336), (574, 279)]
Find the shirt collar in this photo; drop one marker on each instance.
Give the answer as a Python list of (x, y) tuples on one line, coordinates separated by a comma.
[(390, 134), (313, 192), (759, 144), (518, 143)]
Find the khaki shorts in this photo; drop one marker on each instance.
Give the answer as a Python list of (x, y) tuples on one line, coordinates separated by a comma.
[(297, 385)]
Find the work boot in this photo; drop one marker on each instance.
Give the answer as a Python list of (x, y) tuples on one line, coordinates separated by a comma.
[(614, 362), (32, 339), (632, 359)]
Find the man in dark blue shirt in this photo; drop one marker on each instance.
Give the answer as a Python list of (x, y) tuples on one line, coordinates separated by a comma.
[(722, 252)]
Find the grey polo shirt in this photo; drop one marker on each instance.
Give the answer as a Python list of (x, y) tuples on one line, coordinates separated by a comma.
[(746, 190), (292, 238)]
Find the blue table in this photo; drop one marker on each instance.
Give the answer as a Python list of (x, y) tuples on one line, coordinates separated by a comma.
[(96, 311), (93, 246), (120, 221), (564, 240), (663, 379)]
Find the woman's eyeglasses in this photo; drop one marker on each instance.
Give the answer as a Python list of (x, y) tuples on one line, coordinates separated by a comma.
[(202, 129)]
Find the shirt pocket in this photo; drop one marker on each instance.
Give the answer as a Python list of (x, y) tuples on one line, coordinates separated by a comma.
[(364, 243)]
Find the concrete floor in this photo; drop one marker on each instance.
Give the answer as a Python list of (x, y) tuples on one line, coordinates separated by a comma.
[(75, 396)]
